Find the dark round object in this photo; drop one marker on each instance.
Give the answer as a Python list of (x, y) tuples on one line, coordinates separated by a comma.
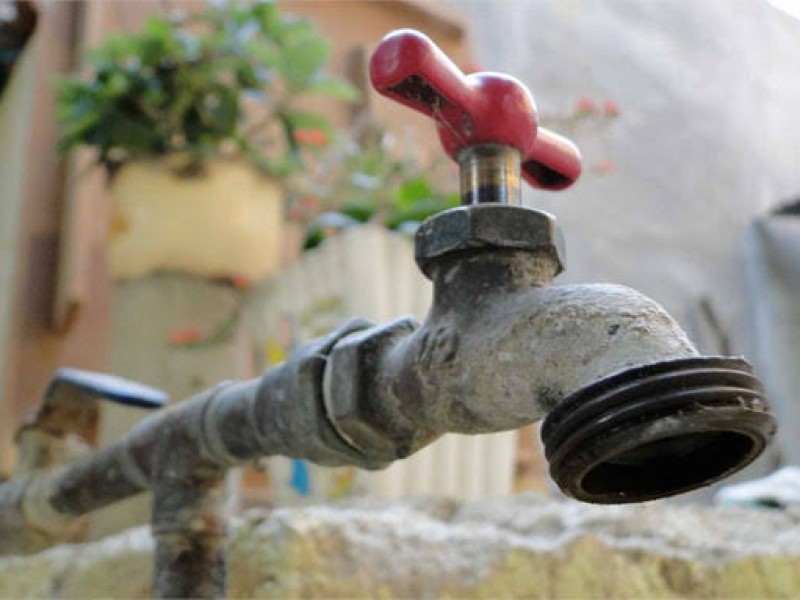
[(658, 430)]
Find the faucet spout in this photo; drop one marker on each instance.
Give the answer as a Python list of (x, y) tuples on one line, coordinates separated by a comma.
[(514, 361)]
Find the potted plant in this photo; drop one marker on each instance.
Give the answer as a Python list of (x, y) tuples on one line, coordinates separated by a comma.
[(197, 120)]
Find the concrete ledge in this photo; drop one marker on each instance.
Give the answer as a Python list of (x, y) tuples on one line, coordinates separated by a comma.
[(524, 546)]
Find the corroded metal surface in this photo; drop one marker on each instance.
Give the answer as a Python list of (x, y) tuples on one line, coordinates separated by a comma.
[(499, 349)]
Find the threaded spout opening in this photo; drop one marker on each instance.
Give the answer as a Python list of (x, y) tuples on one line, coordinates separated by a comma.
[(659, 430)]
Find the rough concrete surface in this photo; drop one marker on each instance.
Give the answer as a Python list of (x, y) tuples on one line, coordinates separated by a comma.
[(523, 547)]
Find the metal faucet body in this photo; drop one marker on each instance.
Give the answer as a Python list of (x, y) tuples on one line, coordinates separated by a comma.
[(499, 349), (628, 401)]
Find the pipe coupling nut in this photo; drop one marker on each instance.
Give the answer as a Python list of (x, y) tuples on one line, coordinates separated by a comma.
[(489, 226), (354, 367)]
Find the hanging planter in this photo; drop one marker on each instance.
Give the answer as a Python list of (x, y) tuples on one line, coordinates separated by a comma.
[(222, 222)]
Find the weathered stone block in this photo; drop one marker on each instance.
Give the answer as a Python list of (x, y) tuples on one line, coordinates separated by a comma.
[(524, 546)]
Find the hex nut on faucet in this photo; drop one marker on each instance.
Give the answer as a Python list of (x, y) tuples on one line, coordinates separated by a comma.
[(486, 226), (379, 430)]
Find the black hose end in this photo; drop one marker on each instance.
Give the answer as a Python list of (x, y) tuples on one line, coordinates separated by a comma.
[(659, 430)]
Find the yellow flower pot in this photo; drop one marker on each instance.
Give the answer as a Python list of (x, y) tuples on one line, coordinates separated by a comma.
[(224, 222)]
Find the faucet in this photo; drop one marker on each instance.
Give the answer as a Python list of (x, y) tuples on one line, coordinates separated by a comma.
[(631, 411)]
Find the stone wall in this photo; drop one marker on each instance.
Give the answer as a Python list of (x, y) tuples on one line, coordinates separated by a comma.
[(524, 546)]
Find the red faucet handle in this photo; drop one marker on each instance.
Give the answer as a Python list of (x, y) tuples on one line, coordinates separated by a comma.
[(480, 108), (409, 68), (553, 164)]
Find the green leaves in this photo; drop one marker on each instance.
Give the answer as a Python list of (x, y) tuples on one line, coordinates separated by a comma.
[(369, 178), (266, 54), (304, 53), (299, 119), (415, 200), (333, 88), (191, 86), (268, 17), (412, 191)]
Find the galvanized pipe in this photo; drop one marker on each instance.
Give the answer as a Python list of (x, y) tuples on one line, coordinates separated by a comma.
[(182, 454)]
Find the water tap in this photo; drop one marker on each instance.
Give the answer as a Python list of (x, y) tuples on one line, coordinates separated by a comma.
[(631, 412)]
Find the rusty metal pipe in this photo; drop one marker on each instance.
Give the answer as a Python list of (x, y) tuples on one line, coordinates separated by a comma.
[(235, 422), (500, 348), (182, 454)]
